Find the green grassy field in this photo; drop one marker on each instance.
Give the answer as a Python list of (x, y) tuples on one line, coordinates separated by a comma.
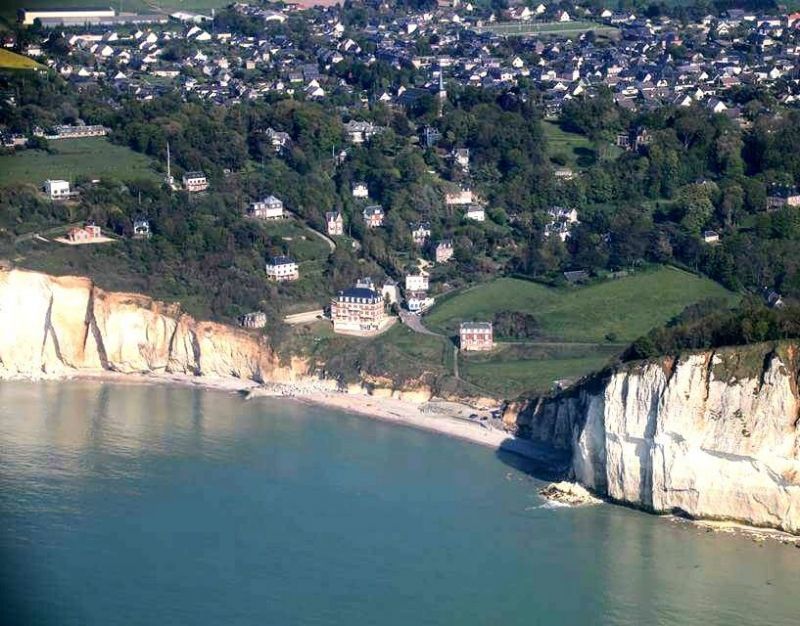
[(575, 324), (93, 157), (547, 28), (511, 379), (304, 246), (577, 148), (12, 61), (626, 307)]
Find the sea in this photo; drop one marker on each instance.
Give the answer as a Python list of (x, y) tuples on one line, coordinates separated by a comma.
[(126, 504)]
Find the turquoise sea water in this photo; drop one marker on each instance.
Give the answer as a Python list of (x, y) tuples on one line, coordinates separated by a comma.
[(125, 504)]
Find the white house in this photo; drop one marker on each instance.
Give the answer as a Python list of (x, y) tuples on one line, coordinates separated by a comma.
[(475, 212), (56, 189), (360, 190), (463, 196), (417, 282), (282, 269), (270, 208), (195, 181)]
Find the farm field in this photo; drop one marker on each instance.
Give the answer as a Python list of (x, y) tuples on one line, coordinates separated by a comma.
[(93, 157), (544, 28), (625, 308), (12, 61)]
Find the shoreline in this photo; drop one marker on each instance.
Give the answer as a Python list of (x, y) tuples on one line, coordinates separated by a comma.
[(437, 416)]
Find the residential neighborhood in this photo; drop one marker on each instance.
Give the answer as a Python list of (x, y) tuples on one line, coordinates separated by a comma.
[(718, 55)]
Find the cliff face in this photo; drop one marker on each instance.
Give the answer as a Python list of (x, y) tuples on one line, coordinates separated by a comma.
[(60, 325), (713, 435)]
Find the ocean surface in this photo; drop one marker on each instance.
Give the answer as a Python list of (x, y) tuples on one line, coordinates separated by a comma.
[(136, 504)]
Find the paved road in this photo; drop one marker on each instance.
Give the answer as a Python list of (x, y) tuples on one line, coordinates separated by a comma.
[(304, 317), (414, 322)]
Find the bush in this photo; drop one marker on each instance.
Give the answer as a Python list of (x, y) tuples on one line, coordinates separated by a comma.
[(515, 325)]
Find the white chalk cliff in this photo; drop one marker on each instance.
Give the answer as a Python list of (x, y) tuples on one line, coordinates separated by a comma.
[(712, 434), (56, 326)]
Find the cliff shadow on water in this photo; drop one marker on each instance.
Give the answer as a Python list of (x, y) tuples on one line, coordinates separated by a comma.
[(539, 461)]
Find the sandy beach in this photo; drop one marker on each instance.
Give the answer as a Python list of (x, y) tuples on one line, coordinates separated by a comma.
[(452, 419)]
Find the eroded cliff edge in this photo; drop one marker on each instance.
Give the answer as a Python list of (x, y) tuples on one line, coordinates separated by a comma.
[(55, 326), (713, 434)]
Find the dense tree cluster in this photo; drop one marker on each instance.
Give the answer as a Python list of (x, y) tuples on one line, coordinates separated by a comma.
[(693, 171), (710, 324)]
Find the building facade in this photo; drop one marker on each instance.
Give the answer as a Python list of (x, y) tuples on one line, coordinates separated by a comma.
[(141, 228), (443, 251), (90, 232), (335, 223), (56, 189), (420, 232), (270, 208), (256, 319), (358, 310), (195, 181), (282, 269), (474, 336), (464, 196), (417, 282), (66, 16), (373, 216), (77, 131)]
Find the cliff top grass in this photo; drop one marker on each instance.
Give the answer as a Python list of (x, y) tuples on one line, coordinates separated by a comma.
[(624, 308), (91, 157)]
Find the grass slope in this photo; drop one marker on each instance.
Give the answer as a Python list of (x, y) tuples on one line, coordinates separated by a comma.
[(627, 307), (574, 321), (575, 147), (13, 61), (93, 157)]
